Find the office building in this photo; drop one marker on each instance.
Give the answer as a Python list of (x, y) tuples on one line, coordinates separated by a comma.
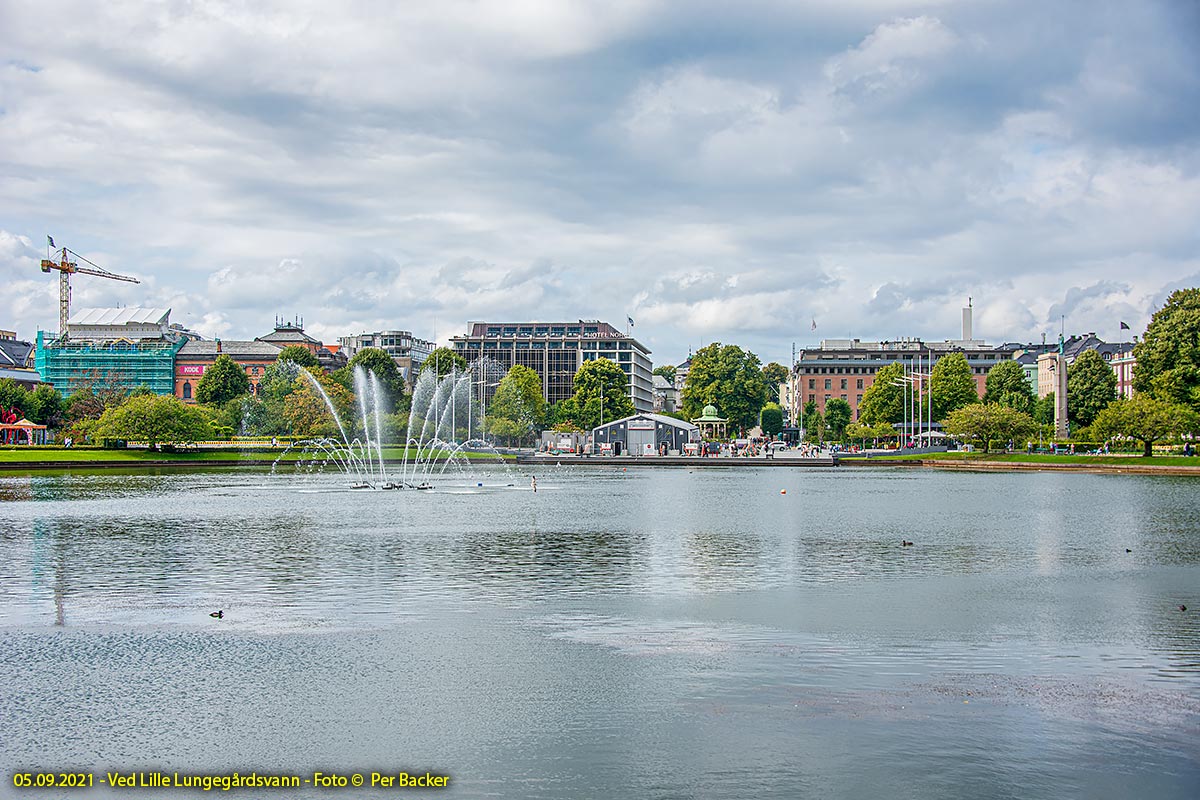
[(408, 351), (556, 351)]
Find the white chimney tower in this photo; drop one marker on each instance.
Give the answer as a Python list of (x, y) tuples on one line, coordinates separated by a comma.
[(966, 331)]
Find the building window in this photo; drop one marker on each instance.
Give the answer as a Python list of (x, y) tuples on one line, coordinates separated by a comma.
[(843, 384), (828, 383), (187, 390), (858, 399)]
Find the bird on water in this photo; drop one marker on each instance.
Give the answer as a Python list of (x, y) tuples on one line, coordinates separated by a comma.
[(905, 543), (217, 614)]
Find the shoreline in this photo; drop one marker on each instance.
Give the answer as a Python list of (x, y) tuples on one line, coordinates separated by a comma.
[(981, 465), (692, 462)]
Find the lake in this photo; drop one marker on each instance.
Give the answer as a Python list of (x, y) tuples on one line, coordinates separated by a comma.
[(655, 633)]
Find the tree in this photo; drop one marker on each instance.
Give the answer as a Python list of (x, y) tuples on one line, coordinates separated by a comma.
[(883, 401), (989, 422), (856, 431), (13, 395), (667, 371), (94, 394), (1145, 419), (307, 412), (837, 416), (229, 418), (601, 386), (222, 382), (772, 419), (279, 380), (814, 423), (952, 385), (376, 362), (154, 419), (1043, 410), (1168, 356), (443, 361), (1091, 385), (45, 406), (301, 356), (730, 379), (1008, 385), (518, 407), (1018, 400), (774, 374)]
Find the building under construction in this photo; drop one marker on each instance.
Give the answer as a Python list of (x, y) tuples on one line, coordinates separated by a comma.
[(112, 348)]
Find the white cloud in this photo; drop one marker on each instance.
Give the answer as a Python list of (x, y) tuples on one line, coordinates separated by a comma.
[(716, 177), (891, 55)]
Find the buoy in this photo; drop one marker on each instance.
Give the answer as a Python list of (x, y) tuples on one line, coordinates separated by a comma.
[(479, 484), (783, 491)]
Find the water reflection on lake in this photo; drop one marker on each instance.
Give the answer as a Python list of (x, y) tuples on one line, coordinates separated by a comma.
[(652, 633)]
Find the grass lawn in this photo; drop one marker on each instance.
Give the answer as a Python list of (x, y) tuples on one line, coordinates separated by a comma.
[(1043, 458), (81, 455)]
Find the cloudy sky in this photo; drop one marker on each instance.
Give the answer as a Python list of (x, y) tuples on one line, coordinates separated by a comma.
[(718, 172)]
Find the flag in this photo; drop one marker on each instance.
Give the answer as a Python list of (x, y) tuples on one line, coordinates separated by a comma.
[(1124, 326), (50, 241), (814, 324), (630, 321)]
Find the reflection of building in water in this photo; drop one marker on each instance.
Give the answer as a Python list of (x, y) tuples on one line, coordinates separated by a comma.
[(60, 590), (16, 488), (48, 566)]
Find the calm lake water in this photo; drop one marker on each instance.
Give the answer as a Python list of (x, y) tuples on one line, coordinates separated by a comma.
[(651, 633)]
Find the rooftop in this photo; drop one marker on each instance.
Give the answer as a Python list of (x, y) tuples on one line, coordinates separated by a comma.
[(661, 418), (20, 375), (14, 352), (134, 315), (230, 347), (581, 327), (289, 335)]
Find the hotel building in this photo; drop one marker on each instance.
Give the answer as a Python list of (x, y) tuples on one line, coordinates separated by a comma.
[(846, 368)]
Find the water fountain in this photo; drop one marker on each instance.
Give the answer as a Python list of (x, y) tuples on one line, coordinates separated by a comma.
[(442, 421)]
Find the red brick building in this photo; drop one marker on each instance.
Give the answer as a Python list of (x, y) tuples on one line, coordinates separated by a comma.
[(195, 357)]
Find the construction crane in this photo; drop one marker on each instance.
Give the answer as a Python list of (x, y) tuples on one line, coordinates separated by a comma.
[(65, 267)]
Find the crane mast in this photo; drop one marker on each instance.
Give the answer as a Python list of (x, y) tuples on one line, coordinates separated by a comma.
[(66, 267)]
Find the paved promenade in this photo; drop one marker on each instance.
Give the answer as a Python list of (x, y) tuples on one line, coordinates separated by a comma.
[(781, 459)]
